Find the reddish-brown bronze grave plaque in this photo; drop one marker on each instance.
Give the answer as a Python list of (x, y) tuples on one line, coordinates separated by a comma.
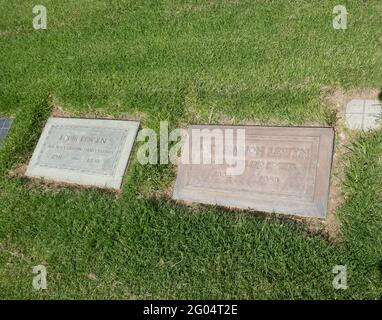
[(270, 169)]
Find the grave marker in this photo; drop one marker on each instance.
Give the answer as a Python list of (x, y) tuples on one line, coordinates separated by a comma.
[(287, 170), (5, 125), (84, 151), (363, 114)]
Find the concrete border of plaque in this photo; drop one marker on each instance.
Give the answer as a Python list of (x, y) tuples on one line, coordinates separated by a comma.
[(84, 151), (287, 170)]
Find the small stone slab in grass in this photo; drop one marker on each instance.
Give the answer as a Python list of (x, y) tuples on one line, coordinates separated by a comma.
[(5, 125), (84, 151), (286, 169), (363, 114)]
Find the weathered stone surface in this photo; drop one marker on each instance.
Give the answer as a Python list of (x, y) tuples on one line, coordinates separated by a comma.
[(287, 170), (84, 151), (5, 125), (363, 114)]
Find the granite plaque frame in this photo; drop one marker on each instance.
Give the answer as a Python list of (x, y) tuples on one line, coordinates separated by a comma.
[(84, 151), (287, 170)]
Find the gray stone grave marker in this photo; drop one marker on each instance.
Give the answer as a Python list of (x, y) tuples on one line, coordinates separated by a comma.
[(84, 151), (287, 170), (363, 114), (5, 125)]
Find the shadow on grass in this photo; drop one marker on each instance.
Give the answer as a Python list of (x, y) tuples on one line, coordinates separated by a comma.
[(380, 95), (295, 222)]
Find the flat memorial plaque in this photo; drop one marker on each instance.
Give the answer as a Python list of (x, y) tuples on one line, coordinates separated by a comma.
[(284, 169), (5, 125), (84, 151), (363, 114)]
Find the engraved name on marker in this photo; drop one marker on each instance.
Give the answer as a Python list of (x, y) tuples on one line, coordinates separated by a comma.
[(287, 170), (84, 151)]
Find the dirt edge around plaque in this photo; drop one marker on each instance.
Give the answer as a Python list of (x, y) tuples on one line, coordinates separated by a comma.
[(19, 170), (328, 227), (47, 185), (337, 98), (310, 225)]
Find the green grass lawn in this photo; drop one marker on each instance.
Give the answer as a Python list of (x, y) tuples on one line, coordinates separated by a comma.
[(185, 62)]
